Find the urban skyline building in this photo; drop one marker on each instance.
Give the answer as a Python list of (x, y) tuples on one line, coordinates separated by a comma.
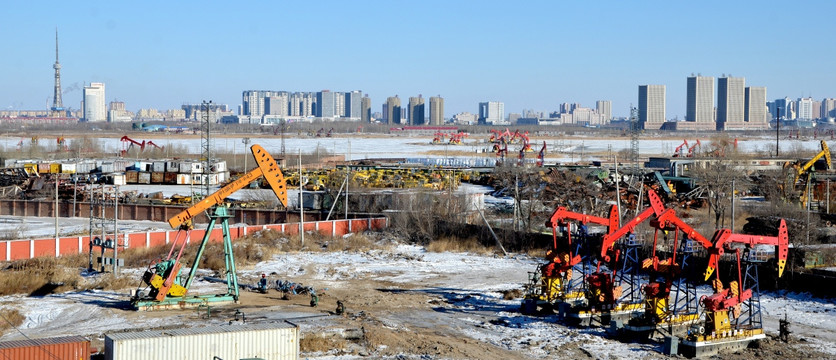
[(416, 110), (366, 109), (392, 110), (651, 106), (731, 98), (604, 108), (805, 109), (94, 109), (436, 110), (492, 113), (700, 99), (828, 108), (755, 108)]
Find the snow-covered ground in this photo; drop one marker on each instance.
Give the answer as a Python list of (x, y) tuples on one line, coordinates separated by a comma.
[(468, 285), (570, 148)]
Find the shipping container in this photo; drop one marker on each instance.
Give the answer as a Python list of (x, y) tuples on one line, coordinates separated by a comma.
[(85, 167), (69, 168), (58, 348), (119, 179), (43, 168), (158, 166), (184, 179), (131, 177), (219, 166), (54, 168), (172, 166), (274, 341), (170, 178), (157, 177), (142, 165), (191, 167), (108, 167), (144, 178)]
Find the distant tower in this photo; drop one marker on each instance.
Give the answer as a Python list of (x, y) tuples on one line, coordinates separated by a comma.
[(57, 105)]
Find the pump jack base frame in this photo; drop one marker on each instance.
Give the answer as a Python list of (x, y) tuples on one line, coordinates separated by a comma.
[(708, 345), (676, 327), (589, 316), (175, 303)]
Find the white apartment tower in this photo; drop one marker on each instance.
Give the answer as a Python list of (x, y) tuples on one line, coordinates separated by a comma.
[(604, 108), (94, 102), (436, 110), (651, 106), (805, 109), (756, 106), (731, 98), (700, 99), (492, 113)]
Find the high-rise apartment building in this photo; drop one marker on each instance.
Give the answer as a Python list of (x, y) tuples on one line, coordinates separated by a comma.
[(652, 106), (492, 113), (254, 101), (700, 100), (325, 104), (828, 108), (756, 108), (785, 108), (604, 108), (817, 109), (436, 110), (731, 98), (353, 104), (392, 110), (805, 109), (366, 109), (94, 102), (416, 110), (277, 104)]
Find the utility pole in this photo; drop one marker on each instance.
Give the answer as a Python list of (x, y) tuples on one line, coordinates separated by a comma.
[(246, 142), (56, 207), (732, 205), (301, 203), (777, 129), (206, 146), (347, 177)]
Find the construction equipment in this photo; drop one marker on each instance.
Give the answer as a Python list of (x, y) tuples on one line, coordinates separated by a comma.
[(732, 315), (163, 276), (803, 169), (552, 282), (151, 143)]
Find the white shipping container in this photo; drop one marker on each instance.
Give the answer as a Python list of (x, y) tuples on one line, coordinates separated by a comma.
[(275, 341), (158, 166), (108, 167), (184, 179), (119, 179), (68, 168), (172, 166), (219, 166)]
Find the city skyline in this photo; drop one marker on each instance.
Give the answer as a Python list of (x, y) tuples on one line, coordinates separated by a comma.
[(182, 53)]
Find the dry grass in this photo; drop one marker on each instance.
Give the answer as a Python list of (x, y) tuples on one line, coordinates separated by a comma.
[(321, 343), (456, 244), (13, 318), (512, 294), (42, 275)]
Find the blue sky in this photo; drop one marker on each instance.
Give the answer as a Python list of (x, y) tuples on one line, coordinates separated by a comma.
[(531, 54)]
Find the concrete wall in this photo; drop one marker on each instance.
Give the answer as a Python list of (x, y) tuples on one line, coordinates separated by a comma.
[(27, 249)]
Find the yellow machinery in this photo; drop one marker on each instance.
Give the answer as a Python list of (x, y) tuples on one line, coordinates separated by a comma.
[(802, 170), (163, 276)]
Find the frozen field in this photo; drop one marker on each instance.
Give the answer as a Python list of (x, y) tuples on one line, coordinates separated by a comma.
[(413, 293)]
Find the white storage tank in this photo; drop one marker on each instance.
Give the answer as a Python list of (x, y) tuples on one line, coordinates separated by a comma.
[(273, 341)]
